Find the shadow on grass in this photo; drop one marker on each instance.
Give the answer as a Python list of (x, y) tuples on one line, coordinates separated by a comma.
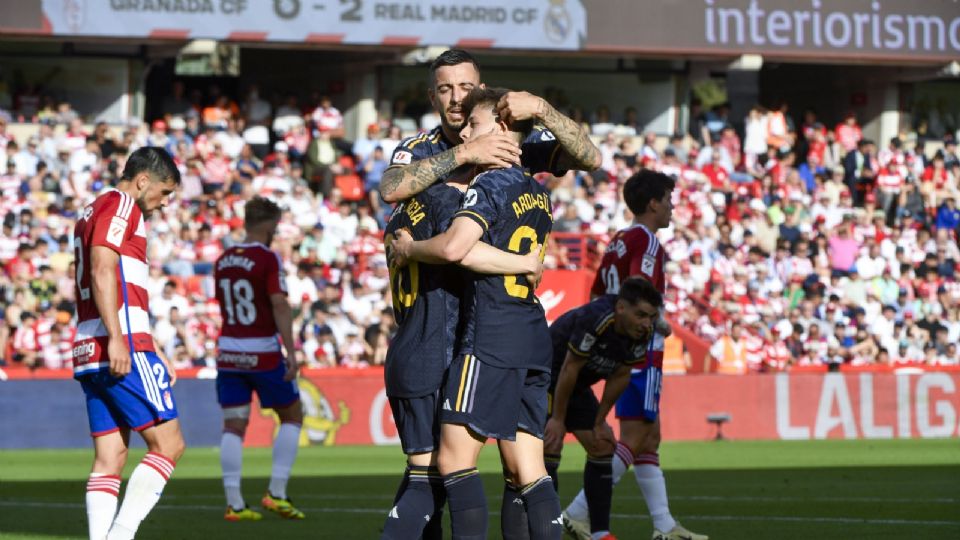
[(875, 502)]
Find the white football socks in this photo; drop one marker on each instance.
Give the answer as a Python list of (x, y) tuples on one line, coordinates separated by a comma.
[(102, 493), (284, 453), (231, 463), (143, 491), (650, 479)]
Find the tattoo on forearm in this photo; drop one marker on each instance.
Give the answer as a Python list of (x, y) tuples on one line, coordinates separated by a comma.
[(418, 175), (574, 139)]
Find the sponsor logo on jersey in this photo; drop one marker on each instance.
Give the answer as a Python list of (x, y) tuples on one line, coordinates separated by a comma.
[(118, 227), (402, 157), (83, 352), (240, 360)]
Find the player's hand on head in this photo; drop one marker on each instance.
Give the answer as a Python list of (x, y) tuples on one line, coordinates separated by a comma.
[(519, 106), (401, 247), (119, 356), (496, 150)]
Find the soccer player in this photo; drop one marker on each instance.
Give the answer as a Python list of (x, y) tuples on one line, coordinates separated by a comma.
[(254, 309), (426, 301), (555, 144), (497, 384), (421, 161), (635, 251), (125, 377), (603, 339)]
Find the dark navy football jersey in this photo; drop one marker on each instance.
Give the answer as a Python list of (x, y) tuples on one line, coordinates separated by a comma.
[(588, 332), (504, 322), (539, 151), (426, 298)]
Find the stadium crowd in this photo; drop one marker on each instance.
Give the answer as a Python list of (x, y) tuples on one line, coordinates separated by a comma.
[(791, 245)]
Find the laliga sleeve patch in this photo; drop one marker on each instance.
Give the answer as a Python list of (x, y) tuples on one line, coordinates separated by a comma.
[(547, 136), (587, 343), (470, 198), (648, 264), (402, 157), (118, 227)]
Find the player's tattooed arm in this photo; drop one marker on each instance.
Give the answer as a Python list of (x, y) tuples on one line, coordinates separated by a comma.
[(579, 151), (493, 150), (402, 182)]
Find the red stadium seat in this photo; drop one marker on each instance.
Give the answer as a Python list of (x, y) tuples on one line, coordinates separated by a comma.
[(350, 186)]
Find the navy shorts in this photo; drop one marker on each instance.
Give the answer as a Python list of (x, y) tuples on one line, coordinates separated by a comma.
[(641, 399), (582, 407), (236, 388), (141, 399), (418, 423), (495, 402)]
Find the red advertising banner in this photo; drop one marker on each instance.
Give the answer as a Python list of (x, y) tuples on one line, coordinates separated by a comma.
[(344, 407), (562, 290)]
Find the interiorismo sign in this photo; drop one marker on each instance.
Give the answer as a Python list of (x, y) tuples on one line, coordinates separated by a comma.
[(883, 29)]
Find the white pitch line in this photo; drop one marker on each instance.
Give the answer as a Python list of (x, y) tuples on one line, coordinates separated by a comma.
[(746, 498), (638, 517)]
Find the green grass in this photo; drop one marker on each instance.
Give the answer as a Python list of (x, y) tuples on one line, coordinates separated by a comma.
[(782, 490)]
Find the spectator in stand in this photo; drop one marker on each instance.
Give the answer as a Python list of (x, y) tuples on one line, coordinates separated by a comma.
[(848, 133)]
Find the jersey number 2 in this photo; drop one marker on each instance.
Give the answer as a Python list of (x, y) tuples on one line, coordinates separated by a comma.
[(238, 300), (523, 232)]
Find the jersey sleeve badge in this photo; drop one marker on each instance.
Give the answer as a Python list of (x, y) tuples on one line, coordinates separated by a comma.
[(117, 230), (402, 157), (648, 264)]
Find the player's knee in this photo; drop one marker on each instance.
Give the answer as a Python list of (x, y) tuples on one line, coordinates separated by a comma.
[(652, 442), (292, 414), (600, 447), (111, 461)]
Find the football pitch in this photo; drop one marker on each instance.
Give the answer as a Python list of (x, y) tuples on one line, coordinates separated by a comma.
[(728, 489)]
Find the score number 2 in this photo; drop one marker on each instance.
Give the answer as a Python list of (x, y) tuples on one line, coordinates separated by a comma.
[(352, 13)]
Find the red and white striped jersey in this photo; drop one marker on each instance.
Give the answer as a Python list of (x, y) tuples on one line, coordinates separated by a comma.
[(113, 221), (246, 276), (634, 251)]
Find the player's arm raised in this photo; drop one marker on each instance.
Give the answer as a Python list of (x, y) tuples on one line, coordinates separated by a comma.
[(579, 152), (283, 317), (450, 246), (103, 273), (401, 182), (555, 429)]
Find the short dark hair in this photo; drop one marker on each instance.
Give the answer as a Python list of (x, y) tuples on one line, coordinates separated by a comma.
[(453, 57), (644, 187), (635, 289), (151, 160), (491, 96), (260, 210)]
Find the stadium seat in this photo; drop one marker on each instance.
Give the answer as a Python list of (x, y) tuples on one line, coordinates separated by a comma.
[(350, 185)]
